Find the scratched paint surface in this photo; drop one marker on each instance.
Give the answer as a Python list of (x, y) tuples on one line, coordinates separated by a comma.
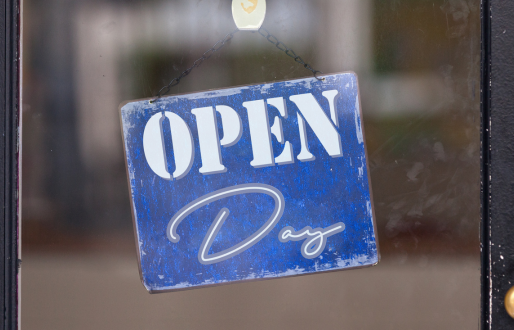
[(317, 193)]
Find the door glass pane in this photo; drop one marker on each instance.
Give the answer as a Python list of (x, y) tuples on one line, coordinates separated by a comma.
[(418, 64)]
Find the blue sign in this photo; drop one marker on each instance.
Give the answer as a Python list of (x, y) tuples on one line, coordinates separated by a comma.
[(249, 183)]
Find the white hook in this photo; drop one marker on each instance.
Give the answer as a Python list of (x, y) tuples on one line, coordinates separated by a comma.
[(249, 14)]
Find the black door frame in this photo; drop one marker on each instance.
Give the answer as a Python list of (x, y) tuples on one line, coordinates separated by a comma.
[(9, 152), (497, 227), (497, 232)]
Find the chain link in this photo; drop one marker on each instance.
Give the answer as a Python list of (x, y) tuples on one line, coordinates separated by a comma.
[(205, 56), (217, 46), (289, 52)]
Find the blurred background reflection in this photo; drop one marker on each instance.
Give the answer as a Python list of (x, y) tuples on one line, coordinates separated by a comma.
[(418, 64)]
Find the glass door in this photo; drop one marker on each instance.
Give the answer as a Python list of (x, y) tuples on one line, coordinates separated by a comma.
[(418, 65)]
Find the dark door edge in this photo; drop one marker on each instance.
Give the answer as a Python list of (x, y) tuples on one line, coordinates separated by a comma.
[(485, 230), (9, 121)]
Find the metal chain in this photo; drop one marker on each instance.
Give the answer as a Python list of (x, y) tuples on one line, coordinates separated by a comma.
[(205, 56), (289, 52)]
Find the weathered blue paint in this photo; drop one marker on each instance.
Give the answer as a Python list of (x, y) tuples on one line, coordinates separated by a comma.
[(317, 194)]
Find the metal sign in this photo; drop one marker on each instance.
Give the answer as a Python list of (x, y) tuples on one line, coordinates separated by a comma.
[(250, 182)]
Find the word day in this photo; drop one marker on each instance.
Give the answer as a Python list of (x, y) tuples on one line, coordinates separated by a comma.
[(313, 246), (309, 112)]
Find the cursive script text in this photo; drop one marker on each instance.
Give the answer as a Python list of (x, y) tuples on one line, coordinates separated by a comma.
[(268, 226), (315, 239)]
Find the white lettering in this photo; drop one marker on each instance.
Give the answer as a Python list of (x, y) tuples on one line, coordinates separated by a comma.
[(268, 226), (315, 239), (331, 97), (155, 151), (311, 112), (260, 134), (286, 157), (232, 126), (209, 141)]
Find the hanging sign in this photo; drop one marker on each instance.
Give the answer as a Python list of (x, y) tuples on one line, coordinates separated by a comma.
[(249, 183)]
